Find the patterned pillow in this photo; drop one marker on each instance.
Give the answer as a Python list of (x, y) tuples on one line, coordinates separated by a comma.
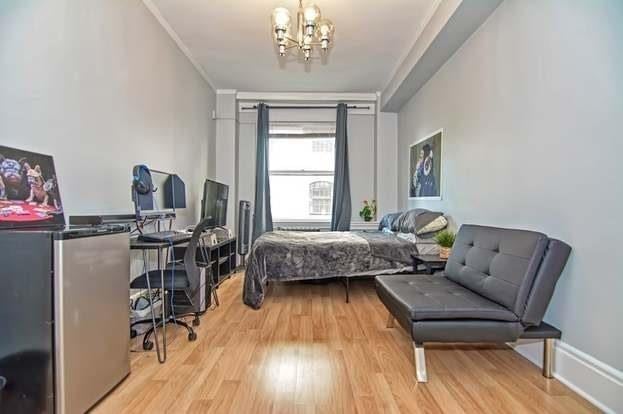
[(414, 220), (426, 246), (434, 226)]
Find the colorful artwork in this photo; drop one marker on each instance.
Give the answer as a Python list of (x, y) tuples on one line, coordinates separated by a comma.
[(28, 189), (425, 167)]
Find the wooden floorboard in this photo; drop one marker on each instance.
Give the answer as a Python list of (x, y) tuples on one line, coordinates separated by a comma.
[(307, 351)]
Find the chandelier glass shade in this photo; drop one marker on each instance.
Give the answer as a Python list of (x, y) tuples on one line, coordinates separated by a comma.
[(310, 30)]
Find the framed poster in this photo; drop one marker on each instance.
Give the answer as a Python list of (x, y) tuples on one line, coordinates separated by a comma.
[(425, 167), (29, 195)]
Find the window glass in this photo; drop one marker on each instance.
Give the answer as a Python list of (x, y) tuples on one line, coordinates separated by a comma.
[(301, 167), (320, 196)]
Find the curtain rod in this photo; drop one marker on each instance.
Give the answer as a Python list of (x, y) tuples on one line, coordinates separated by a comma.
[(306, 107)]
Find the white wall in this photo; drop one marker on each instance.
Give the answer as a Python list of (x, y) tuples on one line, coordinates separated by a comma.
[(101, 86), (225, 150), (532, 106), (361, 161), (386, 165)]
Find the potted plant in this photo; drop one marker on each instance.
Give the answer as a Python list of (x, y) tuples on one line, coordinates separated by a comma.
[(445, 240), (368, 211)]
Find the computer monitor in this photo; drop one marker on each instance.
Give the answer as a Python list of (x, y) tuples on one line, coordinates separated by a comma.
[(214, 203), (29, 194), (168, 192)]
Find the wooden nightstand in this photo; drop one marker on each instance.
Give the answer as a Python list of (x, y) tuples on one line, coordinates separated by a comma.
[(432, 263)]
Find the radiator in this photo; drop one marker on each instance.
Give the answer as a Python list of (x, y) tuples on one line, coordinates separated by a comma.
[(298, 228)]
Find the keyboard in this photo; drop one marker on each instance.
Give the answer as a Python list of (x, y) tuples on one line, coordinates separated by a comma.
[(165, 237)]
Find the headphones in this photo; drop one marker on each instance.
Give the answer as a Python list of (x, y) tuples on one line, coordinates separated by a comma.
[(139, 173)]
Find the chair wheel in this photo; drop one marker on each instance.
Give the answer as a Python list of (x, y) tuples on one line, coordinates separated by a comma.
[(192, 336), (133, 333), (196, 322), (148, 346)]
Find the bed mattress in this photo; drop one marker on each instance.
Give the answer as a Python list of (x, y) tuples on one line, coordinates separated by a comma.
[(287, 256)]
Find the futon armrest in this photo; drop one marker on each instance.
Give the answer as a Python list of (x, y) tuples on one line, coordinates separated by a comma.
[(542, 331)]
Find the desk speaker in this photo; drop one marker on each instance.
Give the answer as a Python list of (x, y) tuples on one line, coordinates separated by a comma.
[(174, 192)]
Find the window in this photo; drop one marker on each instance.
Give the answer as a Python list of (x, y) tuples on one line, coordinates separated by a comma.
[(301, 162), (323, 145), (320, 194)]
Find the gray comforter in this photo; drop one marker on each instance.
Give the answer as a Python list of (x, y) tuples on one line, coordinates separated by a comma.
[(285, 256)]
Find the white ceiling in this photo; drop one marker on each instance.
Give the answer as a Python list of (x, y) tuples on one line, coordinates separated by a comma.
[(232, 41)]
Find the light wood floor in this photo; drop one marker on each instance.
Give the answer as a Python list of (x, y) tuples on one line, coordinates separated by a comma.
[(308, 351)]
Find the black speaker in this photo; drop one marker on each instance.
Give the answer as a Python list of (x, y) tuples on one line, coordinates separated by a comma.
[(244, 227), (174, 192)]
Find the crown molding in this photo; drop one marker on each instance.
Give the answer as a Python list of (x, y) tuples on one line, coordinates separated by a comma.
[(434, 5), (307, 96), (451, 24), (178, 41)]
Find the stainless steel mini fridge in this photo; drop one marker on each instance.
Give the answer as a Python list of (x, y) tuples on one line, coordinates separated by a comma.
[(64, 335)]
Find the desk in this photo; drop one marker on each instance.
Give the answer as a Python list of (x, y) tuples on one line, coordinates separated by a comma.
[(160, 247), (136, 244)]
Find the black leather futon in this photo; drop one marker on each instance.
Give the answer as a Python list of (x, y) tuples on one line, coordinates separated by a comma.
[(496, 287)]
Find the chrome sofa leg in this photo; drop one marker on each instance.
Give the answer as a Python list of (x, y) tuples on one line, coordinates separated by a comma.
[(420, 362), (548, 357), (390, 321)]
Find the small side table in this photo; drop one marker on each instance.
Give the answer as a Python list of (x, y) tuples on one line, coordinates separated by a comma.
[(432, 262)]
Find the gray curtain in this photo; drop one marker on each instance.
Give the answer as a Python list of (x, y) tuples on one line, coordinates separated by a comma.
[(341, 211), (262, 215)]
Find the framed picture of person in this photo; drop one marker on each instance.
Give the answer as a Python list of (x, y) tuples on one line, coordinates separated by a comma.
[(425, 167)]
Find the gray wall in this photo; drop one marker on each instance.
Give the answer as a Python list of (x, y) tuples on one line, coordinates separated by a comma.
[(532, 106), (101, 86), (386, 168)]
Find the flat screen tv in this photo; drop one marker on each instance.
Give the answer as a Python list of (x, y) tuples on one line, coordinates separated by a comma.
[(214, 202), (29, 194)]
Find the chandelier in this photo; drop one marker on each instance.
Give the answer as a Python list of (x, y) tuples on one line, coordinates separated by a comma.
[(311, 30)]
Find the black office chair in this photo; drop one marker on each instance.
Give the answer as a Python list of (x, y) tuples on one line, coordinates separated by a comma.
[(182, 282)]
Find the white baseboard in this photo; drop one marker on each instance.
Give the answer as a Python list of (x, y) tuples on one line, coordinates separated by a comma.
[(594, 380)]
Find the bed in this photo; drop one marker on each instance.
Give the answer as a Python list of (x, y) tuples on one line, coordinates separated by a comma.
[(290, 256)]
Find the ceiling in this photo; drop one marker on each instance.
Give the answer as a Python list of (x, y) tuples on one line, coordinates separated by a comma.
[(232, 41)]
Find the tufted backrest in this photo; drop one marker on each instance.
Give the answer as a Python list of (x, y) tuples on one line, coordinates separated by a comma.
[(499, 264)]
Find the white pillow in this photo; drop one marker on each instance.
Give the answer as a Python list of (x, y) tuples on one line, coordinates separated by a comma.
[(410, 237), (427, 247), (438, 224), (424, 246)]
